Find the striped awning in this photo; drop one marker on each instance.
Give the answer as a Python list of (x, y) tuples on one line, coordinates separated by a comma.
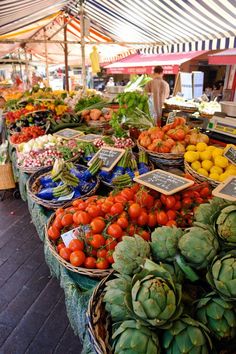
[(226, 57)]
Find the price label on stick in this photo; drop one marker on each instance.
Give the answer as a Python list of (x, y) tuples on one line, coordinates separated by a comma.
[(110, 157), (164, 182), (226, 190), (230, 154), (68, 134)]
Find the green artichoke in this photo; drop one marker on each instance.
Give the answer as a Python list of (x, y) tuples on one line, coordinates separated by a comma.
[(154, 296), (199, 246), (217, 315), (222, 275), (115, 293), (186, 336), (226, 224), (164, 245), (130, 255), (205, 213), (132, 337)]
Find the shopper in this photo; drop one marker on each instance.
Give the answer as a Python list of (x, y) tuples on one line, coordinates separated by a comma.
[(160, 90)]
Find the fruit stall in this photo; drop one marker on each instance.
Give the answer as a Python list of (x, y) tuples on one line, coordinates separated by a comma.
[(137, 221)]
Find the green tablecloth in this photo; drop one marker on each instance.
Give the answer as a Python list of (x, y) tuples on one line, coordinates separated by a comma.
[(77, 288)]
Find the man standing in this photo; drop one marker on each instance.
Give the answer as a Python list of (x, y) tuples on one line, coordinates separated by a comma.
[(160, 90)]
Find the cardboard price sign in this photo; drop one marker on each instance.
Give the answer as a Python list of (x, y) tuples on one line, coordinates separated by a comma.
[(164, 182), (226, 190), (68, 134), (230, 154), (110, 157), (89, 137)]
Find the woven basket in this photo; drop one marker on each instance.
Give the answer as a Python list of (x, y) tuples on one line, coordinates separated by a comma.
[(97, 124), (6, 177), (33, 187), (166, 159), (98, 320), (92, 273), (205, 115), (199, 178)]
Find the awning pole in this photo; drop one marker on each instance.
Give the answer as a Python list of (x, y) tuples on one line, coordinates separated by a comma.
[(26, 69), (66, 57), (82, 45), (46, 55)]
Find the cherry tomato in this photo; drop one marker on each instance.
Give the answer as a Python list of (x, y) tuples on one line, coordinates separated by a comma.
[(60, 211), (110, 243), (134, 210), (187, 202), (67, 220), (161, 217), (93, 210), (102, 253), (177, 205), (171, 223), (131, 230), (199, 200), (171, 214), (145, 235), (57, 222), (106, 207), (97, 225), (127, 193), (116, 209), (114, 230), (157, 204), (205, 192), (109, 257), (170, 202), (163, 198), (76, 245), (53, 233), (152, 219), (97, 241), (102, 263), (60, 246), (77, 258), (90, 262), (142, 219), (120, 199), (84, 218), (65, 253), (122, 222)]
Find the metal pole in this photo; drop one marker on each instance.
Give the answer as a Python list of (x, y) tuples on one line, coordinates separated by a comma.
[(46, 56), (82, 45), (26, 69), (66, 57)]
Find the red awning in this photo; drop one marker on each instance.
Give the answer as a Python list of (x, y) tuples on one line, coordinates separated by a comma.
[(144, 64), (227, 57)]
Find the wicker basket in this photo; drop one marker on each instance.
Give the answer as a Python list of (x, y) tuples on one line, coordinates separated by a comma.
[(98, 320), (92, 273), (165, 159), (33, 186), (198, 177), (6, 177), (206, 115)]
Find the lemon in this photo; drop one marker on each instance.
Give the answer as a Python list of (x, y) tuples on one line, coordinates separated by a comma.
[(207, 164), (214, 176), (202, 171), (196, 165), (211, 148), (221, 161), (205, 155), (201, 146), (217, 152), (191, 148), (191, 156), (216, 169), (223, 176), (231, 168)]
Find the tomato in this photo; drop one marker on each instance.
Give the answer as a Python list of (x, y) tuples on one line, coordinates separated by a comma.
[(145, 235), (60, 211), (102, 253), (81, 205), (57, 222), (90, 262), (102, 263), (170, 202), (76, 245), (152, 219), (135, 188), (134, 210), (93, 211), (131, 230), (106, 207), (97, 241), (120, 199), (110, 199), (163, 198), (177, 205), (110, 243), (143, 218), (60, 246), (199, 200), (122, 222), (116, 209), (127, 193), (187, 202), (187, 194), (91, 251), (171, 214), (97, 225), (157, 204), (65, 253), (67, 220), (161, 217), (205, 192), (53, 233), (84, 218), (109, 257), (114, 230), (179, 134), (77, 258)]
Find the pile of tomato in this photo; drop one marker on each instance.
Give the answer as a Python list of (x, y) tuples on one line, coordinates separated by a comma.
[(134, 210), (26, 134)]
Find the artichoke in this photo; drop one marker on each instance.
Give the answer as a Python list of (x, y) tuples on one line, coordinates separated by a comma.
[(205, 213), (132, 337), (164, 245), (186, 336), (217, 315), (115, 292), (130, 255), (199, 246), (222, 275), (154, 296), (226, 224)]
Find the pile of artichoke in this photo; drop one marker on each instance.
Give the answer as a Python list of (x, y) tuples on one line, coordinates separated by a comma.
[(177, 294)]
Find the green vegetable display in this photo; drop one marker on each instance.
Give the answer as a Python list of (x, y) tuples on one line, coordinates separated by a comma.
[(128, 101), (164, 243), (226, 224)]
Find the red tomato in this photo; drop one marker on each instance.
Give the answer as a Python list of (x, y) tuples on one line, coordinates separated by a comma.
[(90, 263), (171, 223), (53, 233), (152, 219), (93, 211), (97, 225), (65, 253), (171, 214), (116, 209), (142, 219), (187, 202), (76, 245), (67, 220), (177, 205), (163, 198), (97, 241), (102, 263), (77, 258), (60, 246), (122, 222), (205, 192), (134, 210), (120, 199), (180, 134), (161, 217), (127, 193), (145, 235), (106, 207), (131, 230), (60, 211), (114, 230), (170, 202), (110, 243), (84, 218), (109, 257), (199, 200), (102, 253), (57, 222)]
